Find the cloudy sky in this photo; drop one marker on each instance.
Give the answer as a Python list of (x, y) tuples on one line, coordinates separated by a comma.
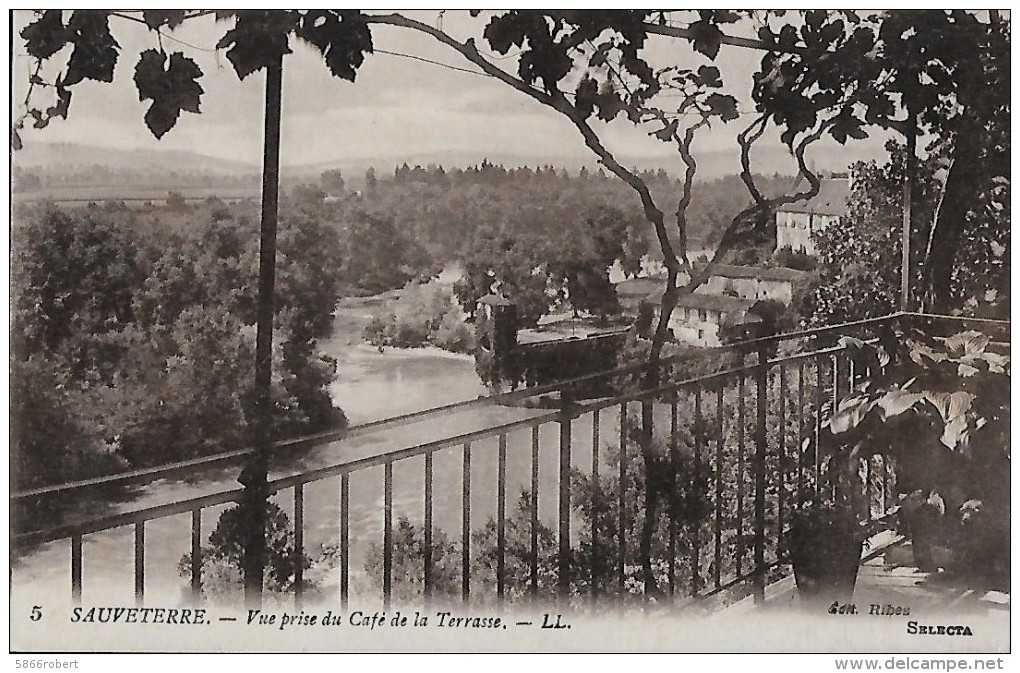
[(398, 106)]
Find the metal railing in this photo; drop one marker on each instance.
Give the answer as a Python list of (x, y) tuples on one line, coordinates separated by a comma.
[(729, 441)]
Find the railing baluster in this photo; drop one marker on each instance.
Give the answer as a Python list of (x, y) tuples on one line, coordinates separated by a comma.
[(718, 485), (196, 554), (622, 498), (76, 554), (741, 470), (867, 487), (567, 403), (674, 466), (387, 533), (429, 561), (465, 533), (699, 438), (345, 538), (760, 453), (139, 562), (595, 552), (819, 390), (800, 433), (299, 543), (501, 518), (534, 510), (781, 462)]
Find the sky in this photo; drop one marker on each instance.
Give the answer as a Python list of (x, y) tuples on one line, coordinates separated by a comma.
[(397, 107)]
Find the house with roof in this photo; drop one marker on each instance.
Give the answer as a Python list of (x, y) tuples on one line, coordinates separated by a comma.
[(797, 222), (752, 282), (697, 317)]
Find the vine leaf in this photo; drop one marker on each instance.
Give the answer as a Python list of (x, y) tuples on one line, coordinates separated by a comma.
[(707, 38), (723, 105), (171, 87), (157, 18), (340, 36), (45, 36), (709, 76), (95, 50), (258, 39)]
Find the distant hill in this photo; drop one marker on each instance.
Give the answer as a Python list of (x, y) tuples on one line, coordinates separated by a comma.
[(60, 166), (766, 159), (56, 157)]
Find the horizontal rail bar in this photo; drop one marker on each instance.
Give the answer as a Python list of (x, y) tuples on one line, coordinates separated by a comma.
[(328, 436)]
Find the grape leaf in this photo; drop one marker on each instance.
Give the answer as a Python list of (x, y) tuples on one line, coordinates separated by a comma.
[(708, 75), (723, 105), (45, 36), (63, 103), (172, 87), (95, 50), (157, 18), (340, 36), (259, 38), (707, 38)]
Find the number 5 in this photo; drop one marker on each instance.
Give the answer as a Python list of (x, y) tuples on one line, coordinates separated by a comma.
[(36, 613)]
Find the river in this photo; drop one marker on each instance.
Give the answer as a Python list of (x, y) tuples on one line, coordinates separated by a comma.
[(371, 385)]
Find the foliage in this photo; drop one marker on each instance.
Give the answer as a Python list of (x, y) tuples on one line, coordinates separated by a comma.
[(377, 256), (222, 578), (949, 395), (858, 273), (132, 334), (422, 315), (258, 39)]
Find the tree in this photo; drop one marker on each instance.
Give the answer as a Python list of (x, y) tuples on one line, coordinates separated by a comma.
[(858, 273)]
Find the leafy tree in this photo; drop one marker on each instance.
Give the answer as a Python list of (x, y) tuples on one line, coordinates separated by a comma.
[(859, 260)]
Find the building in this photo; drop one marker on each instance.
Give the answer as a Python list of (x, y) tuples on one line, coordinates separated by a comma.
[(697, 317), (752, 282), (797, 222)]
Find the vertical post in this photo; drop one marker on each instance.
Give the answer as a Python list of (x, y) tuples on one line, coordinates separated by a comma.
[(761, 376), (718, 479), (299, 544), (699, 440), (741, 470), (534, 511), (566, 408), (674, 468), (345, 538), (254, 476), (501, 519), (465, 528), (622, 498), (196, 555), (595, 441), (139, 563), (907, 215), (428, 526), (387, 533), (76, 553)]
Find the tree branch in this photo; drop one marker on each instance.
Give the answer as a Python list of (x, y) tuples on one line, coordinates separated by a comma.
[(558, 102)]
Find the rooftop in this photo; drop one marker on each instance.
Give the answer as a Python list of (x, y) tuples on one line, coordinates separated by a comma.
[(713, 302), (759, 272), (831, 199)]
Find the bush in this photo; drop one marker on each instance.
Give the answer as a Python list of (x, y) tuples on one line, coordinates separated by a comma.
[(794, 259), (423, 315)]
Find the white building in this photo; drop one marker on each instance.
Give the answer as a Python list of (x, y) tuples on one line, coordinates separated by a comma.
[(752, 282), (797, 222), (697, 317)]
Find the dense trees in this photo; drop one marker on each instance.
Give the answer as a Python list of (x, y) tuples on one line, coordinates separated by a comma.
[(133, 340), (859, 260)]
